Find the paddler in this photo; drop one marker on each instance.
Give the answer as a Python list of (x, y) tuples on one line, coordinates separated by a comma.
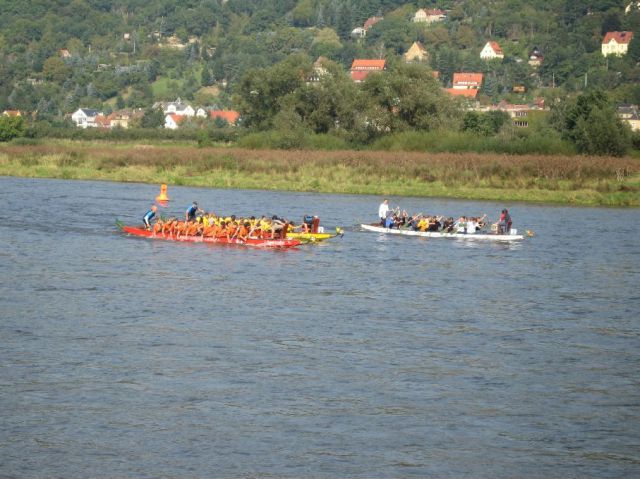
[(243, 231), (276, 225), (149, 215), (190, 215)]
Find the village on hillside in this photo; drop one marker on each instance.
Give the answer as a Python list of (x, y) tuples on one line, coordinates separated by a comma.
[(474, 89)]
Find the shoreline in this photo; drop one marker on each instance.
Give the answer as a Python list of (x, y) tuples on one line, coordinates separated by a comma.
[(567, 180)]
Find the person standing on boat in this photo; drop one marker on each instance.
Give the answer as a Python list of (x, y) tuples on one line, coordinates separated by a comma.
[(149, 215), (190, 215), (504, 223), (383, 209)]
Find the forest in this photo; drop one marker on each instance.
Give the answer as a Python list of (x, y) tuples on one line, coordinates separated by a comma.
[(59, 55)]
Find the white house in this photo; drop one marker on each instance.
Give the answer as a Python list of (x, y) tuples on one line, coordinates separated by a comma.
[(616, 43), (358, 32), (178, 107), (201, 112), (85, 117), (172, 121), (491, 50), (633, 6), (631, 115), (429, 16)]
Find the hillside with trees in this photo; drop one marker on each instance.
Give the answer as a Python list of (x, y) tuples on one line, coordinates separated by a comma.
[(255, 56)]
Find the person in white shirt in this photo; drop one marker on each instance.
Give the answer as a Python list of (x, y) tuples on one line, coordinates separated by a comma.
[(471, 226), (383, 210)]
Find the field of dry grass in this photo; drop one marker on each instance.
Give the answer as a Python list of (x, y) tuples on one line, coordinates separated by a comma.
[(562, 179)]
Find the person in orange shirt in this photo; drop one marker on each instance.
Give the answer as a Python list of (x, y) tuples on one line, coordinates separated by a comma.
[(222, 230), (158, 226), (181, 228), (231, 229), (243, 231), (192, 228), (209, 231), (173, 227)]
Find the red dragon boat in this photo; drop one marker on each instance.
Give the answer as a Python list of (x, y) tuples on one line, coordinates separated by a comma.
[(256, 242)]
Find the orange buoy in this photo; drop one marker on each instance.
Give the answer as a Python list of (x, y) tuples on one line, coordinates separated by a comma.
[(162, 198)]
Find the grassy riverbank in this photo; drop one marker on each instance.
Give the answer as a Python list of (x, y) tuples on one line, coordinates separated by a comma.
[(554, 179)]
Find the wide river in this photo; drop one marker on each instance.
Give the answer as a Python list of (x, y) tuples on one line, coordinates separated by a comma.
[(366, 356)]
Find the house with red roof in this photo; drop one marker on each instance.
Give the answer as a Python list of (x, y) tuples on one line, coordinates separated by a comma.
[(360, 68), (102, 121), (371, 21), (491, 51), (172, 121), (466, 85), (466, 93), (467, 81), (11, 113), (122, 118), (230, 116), (616, 43)]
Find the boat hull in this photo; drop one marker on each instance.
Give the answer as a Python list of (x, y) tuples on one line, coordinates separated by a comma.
[(434, 234), (259, 243), (311, 236)]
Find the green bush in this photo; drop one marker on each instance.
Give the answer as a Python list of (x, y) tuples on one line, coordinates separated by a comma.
[(45, 130), (24, 141), (295, 140), (11, 127), (635, 139), (520, 142)]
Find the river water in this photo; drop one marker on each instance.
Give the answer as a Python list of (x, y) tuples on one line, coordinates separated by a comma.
[(362, 357)]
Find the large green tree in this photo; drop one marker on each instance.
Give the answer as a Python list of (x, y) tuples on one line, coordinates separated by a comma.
[(261, 91), (411, 98), (55, 70), (11, 127), (591, 123)]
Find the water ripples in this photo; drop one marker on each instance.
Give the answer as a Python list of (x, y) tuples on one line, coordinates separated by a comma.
[(365, 356)]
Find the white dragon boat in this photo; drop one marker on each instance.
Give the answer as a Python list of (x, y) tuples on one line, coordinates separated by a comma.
[(512, 236)]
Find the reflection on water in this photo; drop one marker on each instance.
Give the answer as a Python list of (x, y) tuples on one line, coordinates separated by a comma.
[(365, 356)]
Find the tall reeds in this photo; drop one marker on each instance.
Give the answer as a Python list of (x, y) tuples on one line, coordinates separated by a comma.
[(577, 179)]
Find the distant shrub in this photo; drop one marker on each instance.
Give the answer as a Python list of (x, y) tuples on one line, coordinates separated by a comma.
[(328, 142), (213, 136), (635, 140), (294, 140), (11, 127), (45, 130), (459, 142), (24, 141)]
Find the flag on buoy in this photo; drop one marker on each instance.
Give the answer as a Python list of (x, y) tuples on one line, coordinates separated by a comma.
[(162, 198)]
